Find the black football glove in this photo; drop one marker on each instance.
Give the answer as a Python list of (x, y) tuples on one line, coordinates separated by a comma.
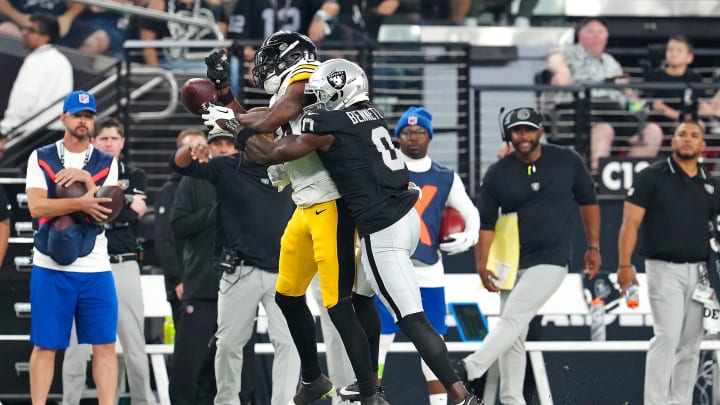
[(218, 69)]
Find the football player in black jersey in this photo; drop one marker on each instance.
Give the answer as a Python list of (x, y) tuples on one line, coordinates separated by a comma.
[(350, 135)]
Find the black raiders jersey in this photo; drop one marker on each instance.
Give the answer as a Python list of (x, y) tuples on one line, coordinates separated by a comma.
[(258, 19), (367, 169)]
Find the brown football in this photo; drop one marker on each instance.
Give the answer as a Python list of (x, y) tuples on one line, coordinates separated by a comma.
[(75, 190), (450, 222), (196, 93), (117, 203)]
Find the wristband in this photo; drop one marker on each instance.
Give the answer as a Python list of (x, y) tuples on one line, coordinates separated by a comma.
[(596, 248), (625, 266), (242, 137), (232, 124), (226, 98)]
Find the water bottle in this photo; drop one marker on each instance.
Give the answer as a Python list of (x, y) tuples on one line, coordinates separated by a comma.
[(169, 331), (632, 296), (597, 319)]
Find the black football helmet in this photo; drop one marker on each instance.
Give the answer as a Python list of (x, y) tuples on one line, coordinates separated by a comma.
[(279, 52)]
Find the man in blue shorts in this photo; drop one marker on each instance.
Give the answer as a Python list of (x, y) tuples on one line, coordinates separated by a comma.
[(71, 277)]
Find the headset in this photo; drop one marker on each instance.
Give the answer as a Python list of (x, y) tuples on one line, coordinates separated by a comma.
[(506, 135), (503, 133)]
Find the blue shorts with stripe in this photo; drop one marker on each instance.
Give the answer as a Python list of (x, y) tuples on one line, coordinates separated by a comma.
[(433, 302), (58, 297)]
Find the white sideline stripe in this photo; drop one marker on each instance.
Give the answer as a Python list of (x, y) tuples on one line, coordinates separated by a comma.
[(157, 353)]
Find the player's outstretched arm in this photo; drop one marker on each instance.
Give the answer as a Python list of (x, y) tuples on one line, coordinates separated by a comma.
[(218, 71), (285, 109), (263, 151)]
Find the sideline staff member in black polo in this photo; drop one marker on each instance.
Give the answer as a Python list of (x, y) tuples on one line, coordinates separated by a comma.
[(542, 184), (673, 199)]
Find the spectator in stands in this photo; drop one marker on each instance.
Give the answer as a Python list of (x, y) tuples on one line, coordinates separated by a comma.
[(109, 31), (169, 251), (672, 104), (560, 183), (74, 33), (45, 71), (673, 200), (193, 220), (71, 279), (121, 234), (452, 12), (587, 62), (151, 29), (441, 187), (501, 12)]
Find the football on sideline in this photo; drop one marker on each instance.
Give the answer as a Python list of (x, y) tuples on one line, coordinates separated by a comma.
[(450, 222)]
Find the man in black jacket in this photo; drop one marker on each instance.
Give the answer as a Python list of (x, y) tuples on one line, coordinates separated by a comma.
[(249, 263), (193, 220), (169, 253)]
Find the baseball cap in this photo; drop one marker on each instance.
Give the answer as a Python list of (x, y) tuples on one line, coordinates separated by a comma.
[(523, 116), (415, 116), (79, 100), (220, 135)]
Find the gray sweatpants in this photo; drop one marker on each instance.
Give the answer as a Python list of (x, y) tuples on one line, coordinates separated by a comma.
[(672, 358), (131, 334), (239, 296), (506, 341)]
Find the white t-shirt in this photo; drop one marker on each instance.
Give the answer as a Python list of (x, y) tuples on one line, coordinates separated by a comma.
[(44, 77), (98, 259)]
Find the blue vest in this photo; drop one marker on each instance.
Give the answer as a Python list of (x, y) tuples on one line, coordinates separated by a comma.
[(435, 184), (77, 240)]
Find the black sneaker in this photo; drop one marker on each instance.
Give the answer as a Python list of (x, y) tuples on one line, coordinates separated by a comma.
[(352, 392), (321, 388)]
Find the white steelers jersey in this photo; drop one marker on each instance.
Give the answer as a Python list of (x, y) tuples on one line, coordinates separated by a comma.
[(311, 183)]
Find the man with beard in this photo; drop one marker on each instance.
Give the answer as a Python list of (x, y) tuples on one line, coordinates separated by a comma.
[(542, 184), (674, 199), (71, 275)]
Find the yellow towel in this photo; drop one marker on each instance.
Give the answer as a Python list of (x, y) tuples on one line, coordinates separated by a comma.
[(504, 253)]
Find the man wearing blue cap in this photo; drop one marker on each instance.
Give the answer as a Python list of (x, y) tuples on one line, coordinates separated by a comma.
[(72, 281), (441, 187)]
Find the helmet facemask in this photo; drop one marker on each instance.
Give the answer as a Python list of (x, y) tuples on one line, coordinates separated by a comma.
[(274, 60)]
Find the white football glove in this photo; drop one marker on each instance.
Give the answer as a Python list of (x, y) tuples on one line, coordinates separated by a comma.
[(459, 243), (214, 114), (278, 176)]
